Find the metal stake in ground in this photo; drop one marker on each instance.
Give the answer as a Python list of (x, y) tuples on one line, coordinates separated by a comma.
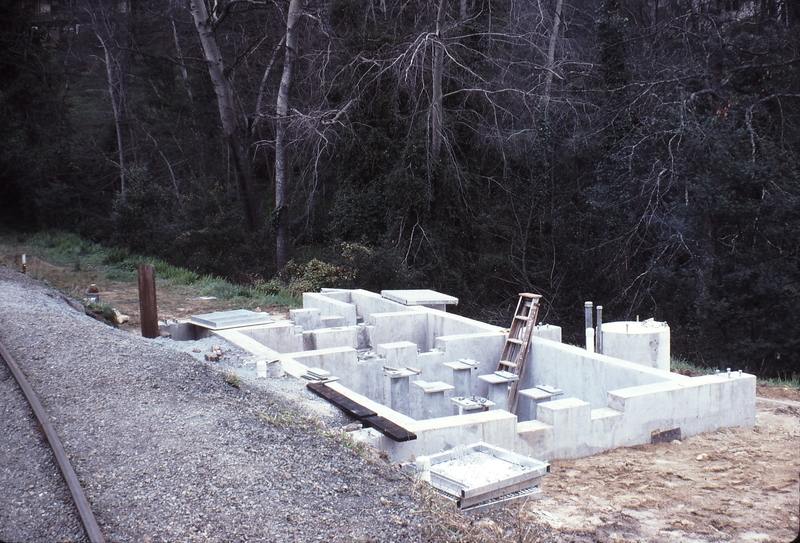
[(147, 300)]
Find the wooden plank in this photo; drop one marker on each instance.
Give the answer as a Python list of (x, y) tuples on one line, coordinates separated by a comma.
[(389, 428), (665, 436), (367, 416), (352, 408)]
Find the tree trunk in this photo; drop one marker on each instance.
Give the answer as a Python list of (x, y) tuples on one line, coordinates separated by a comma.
[(551, 56), (284, 242), (114, 91), (184, 73), (243, 170), (438, 69)]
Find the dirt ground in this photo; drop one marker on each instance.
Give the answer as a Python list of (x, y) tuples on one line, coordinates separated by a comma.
[(735, 484), (174, 301)]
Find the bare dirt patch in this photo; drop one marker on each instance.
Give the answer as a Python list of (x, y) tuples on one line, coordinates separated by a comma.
[(174, 301), (778, 393), (735, 484)]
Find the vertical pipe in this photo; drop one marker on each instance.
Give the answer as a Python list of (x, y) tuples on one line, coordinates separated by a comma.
[(24, 263), (599, 336), (587, 313), (147, 300)]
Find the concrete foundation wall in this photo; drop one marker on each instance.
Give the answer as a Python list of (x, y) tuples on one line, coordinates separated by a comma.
[(584, 375), (486, 348), (325, 338), (445, 433), (445, 324), (570, 428), (398, 326), (282, 336), (368, 303), (607, 402), (330, 307)]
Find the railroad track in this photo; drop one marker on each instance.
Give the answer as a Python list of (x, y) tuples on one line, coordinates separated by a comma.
[(90, 524)]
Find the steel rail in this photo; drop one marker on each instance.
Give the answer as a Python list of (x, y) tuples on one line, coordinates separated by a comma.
[(85, 511)]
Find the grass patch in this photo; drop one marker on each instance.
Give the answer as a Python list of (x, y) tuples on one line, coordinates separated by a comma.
[(232, 379), (103, 310), (443, 523), (286, 418), (790, 381), (684, 367), (79, 255)]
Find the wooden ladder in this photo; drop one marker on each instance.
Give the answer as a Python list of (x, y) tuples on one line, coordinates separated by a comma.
[(515, 351)]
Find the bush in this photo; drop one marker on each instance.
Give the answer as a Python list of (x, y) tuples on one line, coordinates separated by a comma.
[(314, 275)]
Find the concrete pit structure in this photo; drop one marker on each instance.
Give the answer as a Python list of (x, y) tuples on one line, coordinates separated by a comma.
[(431, 372)]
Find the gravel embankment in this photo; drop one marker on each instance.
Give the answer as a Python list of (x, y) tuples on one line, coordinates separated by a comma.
[(166, 450)]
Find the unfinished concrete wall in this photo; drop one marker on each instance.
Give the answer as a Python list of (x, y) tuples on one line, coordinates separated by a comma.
[(282, 336), (446, 324), (584, 375), (330, 307), (607, 402), (368, 303), (398, 326)]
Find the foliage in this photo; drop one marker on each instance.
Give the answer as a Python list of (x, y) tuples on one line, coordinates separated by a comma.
[(650, 164)]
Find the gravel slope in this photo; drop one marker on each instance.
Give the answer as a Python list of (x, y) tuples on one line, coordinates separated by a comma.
[(166, 450)]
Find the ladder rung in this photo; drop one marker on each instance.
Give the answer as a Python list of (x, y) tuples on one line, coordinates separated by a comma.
[(514, 340), (507, 363), (521, 317)]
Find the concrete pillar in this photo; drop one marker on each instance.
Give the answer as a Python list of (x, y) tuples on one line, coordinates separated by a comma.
[(433, 404), (399, 390), (462, 375), (498, 387), (531, 397)]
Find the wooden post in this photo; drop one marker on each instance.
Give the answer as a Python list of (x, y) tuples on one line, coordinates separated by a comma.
[(147, 300)]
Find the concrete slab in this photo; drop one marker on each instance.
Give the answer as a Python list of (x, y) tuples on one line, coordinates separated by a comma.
[(424, 297), (222, 320)]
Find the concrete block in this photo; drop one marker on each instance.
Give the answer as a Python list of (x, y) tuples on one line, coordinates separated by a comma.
[(433, 402), (462, 376), (498, 428), (332, 321), (399, 354), (585, 375), (571, 422), (340, 294), (221, 320), (335, 360), (535, 438), (423, 297), (308, 318), (327, 338)]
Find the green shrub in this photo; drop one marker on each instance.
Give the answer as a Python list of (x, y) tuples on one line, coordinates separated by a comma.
[(314, 275)]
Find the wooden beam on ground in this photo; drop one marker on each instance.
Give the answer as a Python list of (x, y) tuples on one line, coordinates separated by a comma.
[(367, 416)]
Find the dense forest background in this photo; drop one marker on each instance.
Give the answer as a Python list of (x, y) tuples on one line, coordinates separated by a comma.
[(641, 154)]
